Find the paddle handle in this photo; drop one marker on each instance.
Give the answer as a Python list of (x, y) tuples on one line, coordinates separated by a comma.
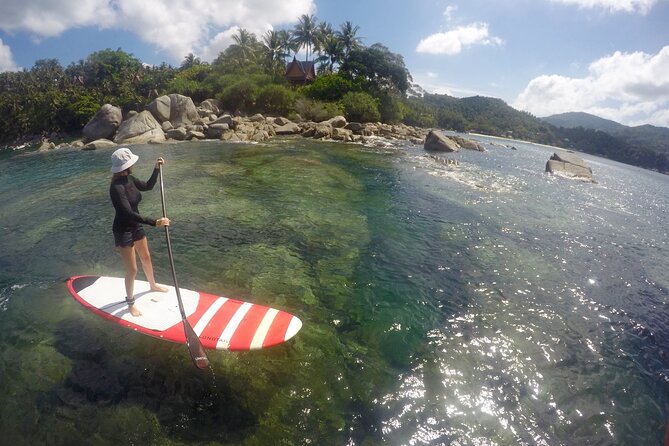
[(192, 339)]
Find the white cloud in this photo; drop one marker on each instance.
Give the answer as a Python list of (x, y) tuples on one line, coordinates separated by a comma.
[(631, 6), (450, 12), (6, 58), (175, 26), (48, 18), (454, 41), (630, 88)]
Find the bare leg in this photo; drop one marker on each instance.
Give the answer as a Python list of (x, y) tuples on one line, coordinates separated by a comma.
[(142, 248), (130, 263)]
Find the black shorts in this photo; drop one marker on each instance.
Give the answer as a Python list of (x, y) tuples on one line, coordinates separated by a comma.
[(126, 239)]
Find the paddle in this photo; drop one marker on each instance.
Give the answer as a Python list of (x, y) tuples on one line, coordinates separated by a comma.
[(192, 340)]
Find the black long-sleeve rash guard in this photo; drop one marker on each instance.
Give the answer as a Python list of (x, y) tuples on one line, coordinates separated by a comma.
[(125, 196)]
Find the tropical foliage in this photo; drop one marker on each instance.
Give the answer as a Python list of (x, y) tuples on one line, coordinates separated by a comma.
[(364, 83)]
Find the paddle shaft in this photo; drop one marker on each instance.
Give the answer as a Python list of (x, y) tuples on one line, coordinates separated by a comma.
[(192, 340)]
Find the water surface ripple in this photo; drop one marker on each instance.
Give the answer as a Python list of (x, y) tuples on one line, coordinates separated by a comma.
[(482, 304)]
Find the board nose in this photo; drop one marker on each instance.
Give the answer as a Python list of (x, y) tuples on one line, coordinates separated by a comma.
[(293, 327), (82, 282)]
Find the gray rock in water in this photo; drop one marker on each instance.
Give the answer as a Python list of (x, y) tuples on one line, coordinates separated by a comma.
[(438, 142), (99, 144), (570, 165), (468, 144), (104, 124)]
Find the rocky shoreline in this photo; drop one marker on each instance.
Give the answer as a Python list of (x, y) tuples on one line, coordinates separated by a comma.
[(175, 118)]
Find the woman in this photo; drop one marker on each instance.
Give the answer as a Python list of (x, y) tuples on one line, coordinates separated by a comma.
[(129, 235)]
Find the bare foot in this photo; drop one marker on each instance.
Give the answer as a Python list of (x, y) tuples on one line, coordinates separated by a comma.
[(134, 310), (159, 288)]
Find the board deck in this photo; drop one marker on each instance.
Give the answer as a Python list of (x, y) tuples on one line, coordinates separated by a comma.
[(221, 323)]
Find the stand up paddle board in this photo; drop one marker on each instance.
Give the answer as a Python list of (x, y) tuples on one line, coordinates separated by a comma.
[(219, 322)]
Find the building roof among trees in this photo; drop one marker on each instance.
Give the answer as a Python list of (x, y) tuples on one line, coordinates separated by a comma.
[(301, 71)]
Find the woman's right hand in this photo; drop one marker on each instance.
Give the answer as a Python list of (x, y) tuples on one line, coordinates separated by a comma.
[(164, 221)]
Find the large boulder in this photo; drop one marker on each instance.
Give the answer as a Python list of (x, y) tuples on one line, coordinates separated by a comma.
[(211, 106), (435, 141), (216, 131), (570, 165), (182, 110), (161, 108), (338, 122), (179, 134), (140, 129), (323, 130), (104, 124)]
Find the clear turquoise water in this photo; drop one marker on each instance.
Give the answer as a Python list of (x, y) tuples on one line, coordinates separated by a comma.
[(485, 304)]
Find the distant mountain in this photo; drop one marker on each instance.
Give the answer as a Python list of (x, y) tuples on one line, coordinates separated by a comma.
[(491, 116), (646, 136), (644, 146), (579, 119)]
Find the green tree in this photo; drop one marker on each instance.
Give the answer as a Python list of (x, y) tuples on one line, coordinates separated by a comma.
[(193, 81), (360, 107), (113, 75), (391, 108), (382, 69), (275, 99), (329, 87)]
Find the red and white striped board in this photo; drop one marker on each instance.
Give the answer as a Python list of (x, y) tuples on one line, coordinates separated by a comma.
[(220, 322)]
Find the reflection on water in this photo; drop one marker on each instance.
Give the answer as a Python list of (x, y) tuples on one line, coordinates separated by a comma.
[(482, 304)]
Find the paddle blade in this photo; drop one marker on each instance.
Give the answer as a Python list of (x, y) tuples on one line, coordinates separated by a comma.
[(195, 347)]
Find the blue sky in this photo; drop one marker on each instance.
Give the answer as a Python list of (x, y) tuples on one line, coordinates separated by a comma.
[(606, 57)]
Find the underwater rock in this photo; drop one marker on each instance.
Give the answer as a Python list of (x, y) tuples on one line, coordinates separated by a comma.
[(91, 379), (445, 161)]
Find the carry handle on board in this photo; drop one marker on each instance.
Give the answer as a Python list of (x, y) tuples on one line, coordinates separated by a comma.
[(192, 340)]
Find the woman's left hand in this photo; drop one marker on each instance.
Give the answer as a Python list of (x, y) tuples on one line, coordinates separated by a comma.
[(159, 161)]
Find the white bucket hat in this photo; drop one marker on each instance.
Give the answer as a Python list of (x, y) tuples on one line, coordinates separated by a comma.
[(122, 159)]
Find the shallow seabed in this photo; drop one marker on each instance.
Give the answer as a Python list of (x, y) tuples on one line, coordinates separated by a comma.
[(483, 304)]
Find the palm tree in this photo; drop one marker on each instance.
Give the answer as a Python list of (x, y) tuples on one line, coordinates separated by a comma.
[(332, 52), (304, 33), (245, 46), (347, 36), (190, 60), (287, 43), (323, 32), (274, 50)]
